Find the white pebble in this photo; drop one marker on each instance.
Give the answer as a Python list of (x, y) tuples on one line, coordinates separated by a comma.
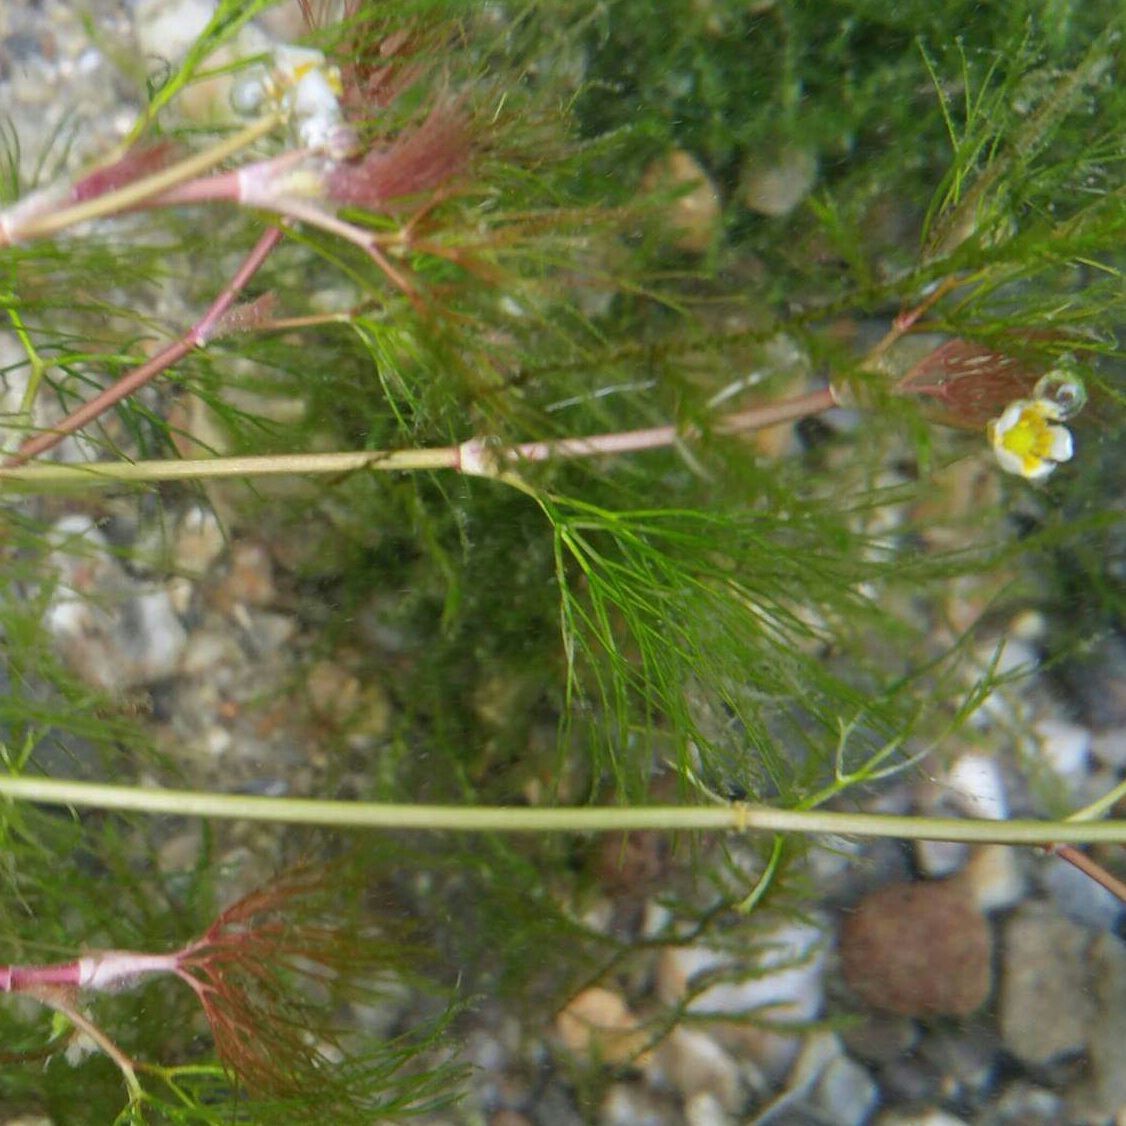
[(705, 1109), (978, 787), (995, 877), (941, 858), (1065, 746)]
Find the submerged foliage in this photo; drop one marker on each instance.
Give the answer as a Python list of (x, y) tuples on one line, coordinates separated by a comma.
[(728, 617)]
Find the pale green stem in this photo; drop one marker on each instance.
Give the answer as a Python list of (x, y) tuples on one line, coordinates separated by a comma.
[(474, 457), (57, 1000), (134, 195), (35, 361), (1101, 805), (110, 472), (583, 819)]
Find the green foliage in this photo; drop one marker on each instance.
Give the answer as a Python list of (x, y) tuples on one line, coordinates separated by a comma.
[(746, 623)]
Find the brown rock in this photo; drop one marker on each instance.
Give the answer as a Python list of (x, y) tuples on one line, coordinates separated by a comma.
[(918, 949), (598, 1023)]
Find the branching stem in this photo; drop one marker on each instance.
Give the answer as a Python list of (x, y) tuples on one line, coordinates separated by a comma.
[(196, 337), (476, 457)]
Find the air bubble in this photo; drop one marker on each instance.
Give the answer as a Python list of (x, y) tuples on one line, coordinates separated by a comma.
[(248, 94), (1064, 387)]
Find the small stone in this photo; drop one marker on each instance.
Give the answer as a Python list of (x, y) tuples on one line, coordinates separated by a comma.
[(372, 719), (598, 1023), (208, 649), (1024, 1104), (1064, 746), (977, 785), (704, 1109), (1106, 1037), (199, 541), (1045, 1007), (334, 693), (266, 632), (784, 977), (776, 188), (693, 215), (844, 1094), (1109, 747), (250, 576), (626, 1104), (995, 878), (181, 852), (508, 1117), (693, 1063), (1079, 897), (936, 859), (931, 1116), (880, 1038), (918, 949), (113, 631)]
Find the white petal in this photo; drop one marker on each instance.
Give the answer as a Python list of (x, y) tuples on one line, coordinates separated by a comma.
[(1062, 447), (1039, 471), (1010, 416), (1009, 461)]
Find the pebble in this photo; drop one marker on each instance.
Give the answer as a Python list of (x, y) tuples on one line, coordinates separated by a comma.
[(931, 1116), (880, 1038), (918, 949), (995, 877), (199, 541), (597, 1022), (693, 1063), (1045, 1009), (776, 187), (936, 859), (1064, 746), (692, 218), (627, 1104), (1106, 1037), (334, 693), (113, 631), (1025, 1104), (250, 576), (977, 786), (1109, 747), (704, 1109), (788, 964), (1078, 897), (844, 1094)]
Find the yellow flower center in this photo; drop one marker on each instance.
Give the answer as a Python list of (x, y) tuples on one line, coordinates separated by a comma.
[(1029, 438)]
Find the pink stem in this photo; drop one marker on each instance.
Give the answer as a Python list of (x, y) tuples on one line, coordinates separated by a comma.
[(476, 457), (133, 381), (1090, 867), (105, 971)]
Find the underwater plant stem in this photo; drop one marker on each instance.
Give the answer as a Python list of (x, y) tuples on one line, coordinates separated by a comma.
[(133, 381), (1090, 868), (476, 457), (739, 818), (16, 225), (58, 1001)]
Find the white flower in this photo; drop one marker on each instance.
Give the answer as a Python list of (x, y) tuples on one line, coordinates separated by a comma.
[(306, 88), (1028, 439)]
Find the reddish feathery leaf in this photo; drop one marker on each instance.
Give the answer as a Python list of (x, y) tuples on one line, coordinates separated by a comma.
[(139, 162), (965, 384), (417, 161)]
